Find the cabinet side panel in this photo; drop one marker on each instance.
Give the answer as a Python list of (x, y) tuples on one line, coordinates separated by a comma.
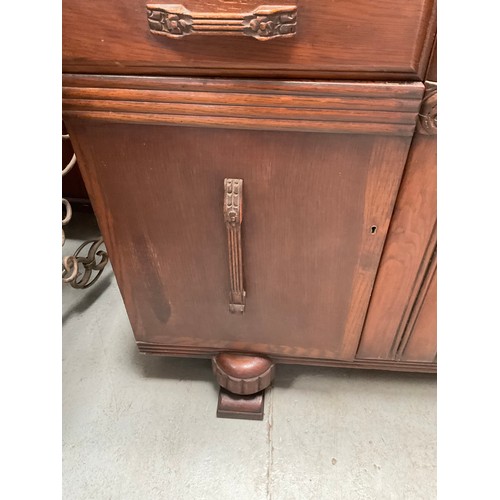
[(405, 253)]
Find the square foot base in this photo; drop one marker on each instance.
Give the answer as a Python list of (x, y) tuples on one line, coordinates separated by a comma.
[(236, 406)]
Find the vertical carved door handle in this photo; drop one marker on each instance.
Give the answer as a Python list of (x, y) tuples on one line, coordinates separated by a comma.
[(233, 217)]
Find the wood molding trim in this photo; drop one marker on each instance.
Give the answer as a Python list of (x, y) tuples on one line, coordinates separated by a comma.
[(357, 40), (425, 48), (204, 352), (430, 271), (360, 108)]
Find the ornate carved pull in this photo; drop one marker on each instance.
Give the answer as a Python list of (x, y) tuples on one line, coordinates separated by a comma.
[(427, 118), (233, 216), (264, 23)]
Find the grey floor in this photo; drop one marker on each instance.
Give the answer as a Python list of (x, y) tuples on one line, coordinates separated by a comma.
[(141, 427)]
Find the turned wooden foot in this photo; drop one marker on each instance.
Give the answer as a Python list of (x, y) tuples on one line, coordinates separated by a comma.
[(243, 379)]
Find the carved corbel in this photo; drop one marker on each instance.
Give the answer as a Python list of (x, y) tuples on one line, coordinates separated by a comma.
[(427, 117)]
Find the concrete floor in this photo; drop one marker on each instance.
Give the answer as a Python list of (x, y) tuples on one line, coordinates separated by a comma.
[(141, 427)]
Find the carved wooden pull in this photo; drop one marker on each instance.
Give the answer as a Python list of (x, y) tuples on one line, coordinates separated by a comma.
[(233, 216), (264, 23)]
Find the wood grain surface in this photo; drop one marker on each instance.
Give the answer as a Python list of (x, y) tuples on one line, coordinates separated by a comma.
[(386, 39), (409, 246), (317, 211), (421, 338)]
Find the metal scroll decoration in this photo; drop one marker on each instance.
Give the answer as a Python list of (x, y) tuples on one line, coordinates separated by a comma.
[(81, 271), (264, 23)]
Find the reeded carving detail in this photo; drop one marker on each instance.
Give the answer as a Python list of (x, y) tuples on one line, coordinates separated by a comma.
[(233, 214), (233, 217), (427, 117), (264, 23)]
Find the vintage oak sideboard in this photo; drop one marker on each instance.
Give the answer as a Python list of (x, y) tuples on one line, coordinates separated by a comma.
[(264, 176)]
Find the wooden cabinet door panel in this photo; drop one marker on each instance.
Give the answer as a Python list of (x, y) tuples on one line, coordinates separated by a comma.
[(321, 164), (409, 246), (316, 211)]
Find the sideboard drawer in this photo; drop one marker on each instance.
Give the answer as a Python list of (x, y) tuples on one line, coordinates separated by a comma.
[(384, 39), (318, 196)]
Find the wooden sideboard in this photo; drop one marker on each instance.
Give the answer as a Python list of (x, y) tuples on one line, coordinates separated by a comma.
[(264, 177)]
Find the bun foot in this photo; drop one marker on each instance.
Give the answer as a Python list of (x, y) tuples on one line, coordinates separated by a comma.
[(243, 379)]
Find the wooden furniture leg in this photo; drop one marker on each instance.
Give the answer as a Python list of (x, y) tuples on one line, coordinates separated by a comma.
[(243, 380)]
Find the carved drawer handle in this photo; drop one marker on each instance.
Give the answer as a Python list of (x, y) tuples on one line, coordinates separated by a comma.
[(264, 23), (233, 216)]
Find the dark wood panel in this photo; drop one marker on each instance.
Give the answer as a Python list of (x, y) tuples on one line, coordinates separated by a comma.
[(317, 209), (409, 245), (432, 68), (421, 337), (342, 39), (266, 105)]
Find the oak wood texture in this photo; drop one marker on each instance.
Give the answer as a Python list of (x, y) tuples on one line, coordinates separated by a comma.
[(420, 341), (241, 373), (317, 211), (409, 259), (250, 407), (431, 73), (308, 106), (410, 244), (386, 39)]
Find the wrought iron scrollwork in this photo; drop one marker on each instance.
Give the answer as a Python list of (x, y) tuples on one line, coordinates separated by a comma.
[(78, 271)]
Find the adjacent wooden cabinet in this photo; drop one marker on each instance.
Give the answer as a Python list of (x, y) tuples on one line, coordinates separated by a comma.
[(266, 186)]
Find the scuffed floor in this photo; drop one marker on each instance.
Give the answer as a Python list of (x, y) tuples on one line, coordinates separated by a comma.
[(141, 427)]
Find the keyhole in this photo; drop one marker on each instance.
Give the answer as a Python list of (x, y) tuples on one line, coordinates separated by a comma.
[(373, 229)]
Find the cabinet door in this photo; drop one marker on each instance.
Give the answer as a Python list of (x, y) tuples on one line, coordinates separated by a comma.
[(318, 194), (410, 244)]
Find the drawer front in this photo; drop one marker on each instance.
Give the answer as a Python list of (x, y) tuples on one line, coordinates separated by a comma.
[(386, 39), (318, 197)]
